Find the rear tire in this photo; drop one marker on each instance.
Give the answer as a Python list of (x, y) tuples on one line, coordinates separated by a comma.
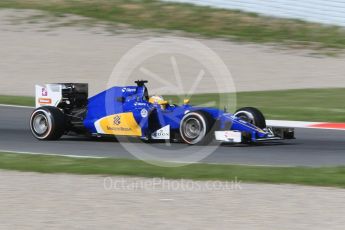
[(252, 115), (47, 123), (196, 128)]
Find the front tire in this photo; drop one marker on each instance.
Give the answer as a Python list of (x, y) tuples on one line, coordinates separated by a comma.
[(47, 123), (196, 128), (252, 115)]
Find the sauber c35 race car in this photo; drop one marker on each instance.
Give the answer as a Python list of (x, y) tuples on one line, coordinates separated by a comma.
[(65, 109)]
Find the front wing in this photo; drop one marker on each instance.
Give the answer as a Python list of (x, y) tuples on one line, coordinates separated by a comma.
[(273, 134)]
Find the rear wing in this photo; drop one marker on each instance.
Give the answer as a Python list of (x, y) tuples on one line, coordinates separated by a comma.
[(48, 95), (68, 94)]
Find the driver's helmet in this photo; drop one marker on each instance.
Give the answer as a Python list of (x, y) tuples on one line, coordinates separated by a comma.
[(158, 100)]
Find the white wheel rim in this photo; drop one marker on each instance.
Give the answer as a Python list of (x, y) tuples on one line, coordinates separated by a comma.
[(40, 124), (246, 116), (192, 128), (202, 129)]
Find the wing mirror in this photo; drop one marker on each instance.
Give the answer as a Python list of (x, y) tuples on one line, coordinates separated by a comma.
[(186, 101), (164, 103)]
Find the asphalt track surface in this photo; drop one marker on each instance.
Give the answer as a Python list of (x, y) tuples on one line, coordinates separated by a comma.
[(311, 148)]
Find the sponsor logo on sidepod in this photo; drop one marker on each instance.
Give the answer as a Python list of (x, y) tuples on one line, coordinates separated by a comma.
[(162, 134), (117, 120)]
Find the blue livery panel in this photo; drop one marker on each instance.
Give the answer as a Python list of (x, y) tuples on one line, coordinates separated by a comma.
[(126, 111)]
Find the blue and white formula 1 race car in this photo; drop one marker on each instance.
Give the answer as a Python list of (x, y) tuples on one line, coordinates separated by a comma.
[(65, 109)]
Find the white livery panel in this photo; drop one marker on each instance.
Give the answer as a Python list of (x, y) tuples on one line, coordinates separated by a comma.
[(48, 95), (228, 136)]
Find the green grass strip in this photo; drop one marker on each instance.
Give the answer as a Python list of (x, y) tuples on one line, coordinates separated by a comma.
[(205, 21), (332, 176), (17, 100)]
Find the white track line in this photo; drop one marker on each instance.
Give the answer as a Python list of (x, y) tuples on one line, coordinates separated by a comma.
[(17, 106), (306, 124), (292, 124), (51, 154)]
